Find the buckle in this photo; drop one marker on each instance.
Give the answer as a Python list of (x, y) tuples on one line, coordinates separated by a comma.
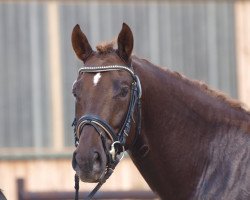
[(116, 149)]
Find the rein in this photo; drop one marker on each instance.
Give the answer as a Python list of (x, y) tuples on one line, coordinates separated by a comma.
[(102, 127)]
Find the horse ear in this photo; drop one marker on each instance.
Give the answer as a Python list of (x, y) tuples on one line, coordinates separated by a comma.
[(80, 43), (125, 42)]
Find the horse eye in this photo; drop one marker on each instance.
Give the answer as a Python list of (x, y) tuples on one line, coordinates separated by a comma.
[(124, 91)]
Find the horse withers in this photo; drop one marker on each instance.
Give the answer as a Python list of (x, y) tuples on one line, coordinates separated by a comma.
[(188, 141)]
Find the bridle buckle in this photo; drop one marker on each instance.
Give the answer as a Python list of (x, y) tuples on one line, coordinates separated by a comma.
[(116, 149)]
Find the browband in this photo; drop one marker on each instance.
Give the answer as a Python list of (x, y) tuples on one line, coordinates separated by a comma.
[(113, 68), (106, 68)]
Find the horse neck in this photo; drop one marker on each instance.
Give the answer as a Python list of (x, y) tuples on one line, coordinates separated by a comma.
[(176, 130), (171, 98)]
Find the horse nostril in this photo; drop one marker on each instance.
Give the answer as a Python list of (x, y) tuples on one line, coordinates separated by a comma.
[(96, 161), (96, 157)]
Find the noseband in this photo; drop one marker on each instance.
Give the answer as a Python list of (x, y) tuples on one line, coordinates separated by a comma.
[(103, 128)]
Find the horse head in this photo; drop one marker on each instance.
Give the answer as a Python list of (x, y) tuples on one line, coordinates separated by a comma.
[(102, 94)]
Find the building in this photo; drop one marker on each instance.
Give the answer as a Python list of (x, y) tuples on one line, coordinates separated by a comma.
[(207, 40)]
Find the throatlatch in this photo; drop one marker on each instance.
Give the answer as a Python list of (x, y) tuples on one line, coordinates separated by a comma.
[(118, 139)]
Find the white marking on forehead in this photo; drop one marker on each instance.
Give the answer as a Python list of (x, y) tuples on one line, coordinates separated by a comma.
[(96, 78)]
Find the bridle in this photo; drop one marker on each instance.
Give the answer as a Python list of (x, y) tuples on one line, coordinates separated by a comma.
[(104, 129)]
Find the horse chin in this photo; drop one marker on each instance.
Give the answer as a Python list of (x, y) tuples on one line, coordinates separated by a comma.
[(89, 177)]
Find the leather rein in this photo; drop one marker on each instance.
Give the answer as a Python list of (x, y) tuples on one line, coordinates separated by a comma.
[(115, 154)]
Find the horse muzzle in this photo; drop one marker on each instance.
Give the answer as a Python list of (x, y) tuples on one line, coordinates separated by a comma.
[(90, 167)]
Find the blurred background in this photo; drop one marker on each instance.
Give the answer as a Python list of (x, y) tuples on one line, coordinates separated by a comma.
[(208, 40)]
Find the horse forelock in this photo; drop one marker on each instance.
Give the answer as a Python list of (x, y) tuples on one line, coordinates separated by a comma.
[(106, 47)]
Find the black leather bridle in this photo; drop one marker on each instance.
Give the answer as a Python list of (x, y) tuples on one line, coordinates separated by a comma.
[(103, 128)]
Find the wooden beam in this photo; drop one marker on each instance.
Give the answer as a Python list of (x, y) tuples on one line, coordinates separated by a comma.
[(55, 75), (242, 16)]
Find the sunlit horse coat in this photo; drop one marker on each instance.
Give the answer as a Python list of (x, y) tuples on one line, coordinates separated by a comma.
[(194, 143)]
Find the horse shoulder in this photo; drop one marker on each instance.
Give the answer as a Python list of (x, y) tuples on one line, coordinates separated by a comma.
[(227, 174)]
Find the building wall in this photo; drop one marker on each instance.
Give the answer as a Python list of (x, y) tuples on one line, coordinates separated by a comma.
[(242, 26), (38, 65), (58, 175), (206, 40)]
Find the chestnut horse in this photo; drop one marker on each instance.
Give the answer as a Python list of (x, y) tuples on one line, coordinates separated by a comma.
[(192, 142)]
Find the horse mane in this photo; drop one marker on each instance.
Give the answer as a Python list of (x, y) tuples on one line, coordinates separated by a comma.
[(106, 47), (236, 105), (213, 92), (203, 87)]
